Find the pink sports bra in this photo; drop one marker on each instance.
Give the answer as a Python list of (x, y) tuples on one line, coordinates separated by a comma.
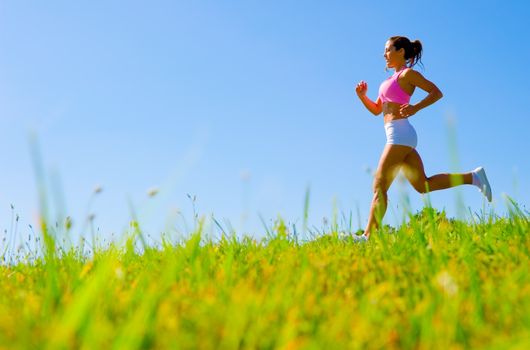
[(390, 91)]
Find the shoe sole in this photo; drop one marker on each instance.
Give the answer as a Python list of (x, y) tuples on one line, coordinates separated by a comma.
[(481, 173)]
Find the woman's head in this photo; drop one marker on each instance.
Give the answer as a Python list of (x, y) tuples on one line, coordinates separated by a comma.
[(400, 50)]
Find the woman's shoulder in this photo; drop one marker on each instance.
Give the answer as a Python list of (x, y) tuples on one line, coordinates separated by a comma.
[(410, 73)]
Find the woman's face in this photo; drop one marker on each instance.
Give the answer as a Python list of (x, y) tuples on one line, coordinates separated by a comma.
[(393, 58)]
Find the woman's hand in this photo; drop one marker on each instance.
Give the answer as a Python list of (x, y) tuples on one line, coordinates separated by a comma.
[(374, 107), (407, 110), (361, 89)]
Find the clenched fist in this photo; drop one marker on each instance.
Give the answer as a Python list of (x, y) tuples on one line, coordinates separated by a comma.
[(361, 88)]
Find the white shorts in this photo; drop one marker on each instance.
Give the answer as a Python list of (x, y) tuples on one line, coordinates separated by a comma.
[(401, 132)]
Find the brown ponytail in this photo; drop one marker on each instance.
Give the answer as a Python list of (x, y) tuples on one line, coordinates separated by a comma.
[(413, 50)]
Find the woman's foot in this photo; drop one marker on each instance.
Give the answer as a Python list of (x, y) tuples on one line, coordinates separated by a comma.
[(360, 239), (357, 236), (360, 236), (481, 181)]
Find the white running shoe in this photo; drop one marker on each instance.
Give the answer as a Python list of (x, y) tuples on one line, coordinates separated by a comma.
[(360, 238), (484, 185), (346, 236)]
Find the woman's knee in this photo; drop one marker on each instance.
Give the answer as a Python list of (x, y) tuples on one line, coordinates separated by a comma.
[(380, 186), (421, 187)]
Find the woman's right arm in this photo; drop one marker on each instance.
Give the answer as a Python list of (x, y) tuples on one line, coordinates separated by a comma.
[(375, 107)]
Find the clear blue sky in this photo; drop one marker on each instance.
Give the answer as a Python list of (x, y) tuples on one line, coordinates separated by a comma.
[(245, 104)]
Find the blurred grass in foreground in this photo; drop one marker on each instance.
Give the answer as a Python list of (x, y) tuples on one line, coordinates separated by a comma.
[(431, 283)]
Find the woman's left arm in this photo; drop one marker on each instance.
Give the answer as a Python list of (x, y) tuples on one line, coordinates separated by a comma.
[(415, 78)]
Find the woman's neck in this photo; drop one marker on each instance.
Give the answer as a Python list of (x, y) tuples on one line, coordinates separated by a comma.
[(400, 67)]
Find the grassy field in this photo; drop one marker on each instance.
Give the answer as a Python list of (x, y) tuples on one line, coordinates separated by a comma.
[(431, 283)]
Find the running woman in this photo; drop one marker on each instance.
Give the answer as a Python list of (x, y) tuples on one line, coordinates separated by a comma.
[(400, 150)]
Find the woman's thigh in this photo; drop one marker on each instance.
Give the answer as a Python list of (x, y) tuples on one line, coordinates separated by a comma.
[(414, 171), (392, 158)]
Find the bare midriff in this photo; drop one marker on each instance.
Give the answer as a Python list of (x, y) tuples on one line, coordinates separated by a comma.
[(391, 112)]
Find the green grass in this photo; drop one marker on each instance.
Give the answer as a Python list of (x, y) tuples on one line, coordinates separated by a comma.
[(432, 283)]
